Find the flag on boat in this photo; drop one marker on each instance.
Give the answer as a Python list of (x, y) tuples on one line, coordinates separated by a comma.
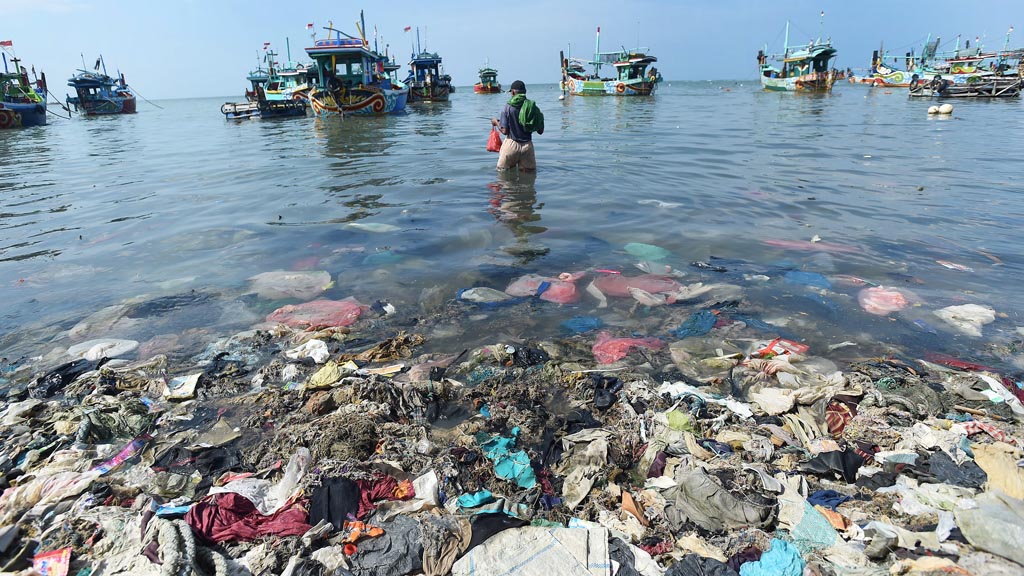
[(6, 43), (407, 28), (266, 45), (309, 26)]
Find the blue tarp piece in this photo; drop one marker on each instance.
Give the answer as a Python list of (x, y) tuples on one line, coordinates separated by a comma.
[(581, 324), (807, 279), (699, 324), (781, 559), (475, 499), (828, 498), (509, 464)]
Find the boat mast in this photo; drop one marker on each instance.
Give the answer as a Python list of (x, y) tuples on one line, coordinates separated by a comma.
[(1006, 44), (785, 43), (597, 53), (288, 48), (104, 64)]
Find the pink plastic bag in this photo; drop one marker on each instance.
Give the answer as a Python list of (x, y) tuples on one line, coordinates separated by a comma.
[(318, 313), (494, 142), (881, 301), (607, 349), (560, 291), (618, 285)]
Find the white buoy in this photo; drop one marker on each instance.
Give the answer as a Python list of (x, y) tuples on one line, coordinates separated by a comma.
[(946, 109), (933, 109)]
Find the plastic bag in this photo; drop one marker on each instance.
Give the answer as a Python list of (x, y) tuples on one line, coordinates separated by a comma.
[(494, 142)]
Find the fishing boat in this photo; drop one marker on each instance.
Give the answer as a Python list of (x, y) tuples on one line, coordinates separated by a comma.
[(632, 77), (985, 87), (488, 83), (97, 93), (427, 81), (800, 68), (273, 92), (21, 103), (349, 78)]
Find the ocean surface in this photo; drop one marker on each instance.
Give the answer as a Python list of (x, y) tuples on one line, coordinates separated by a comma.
[(178, 208)]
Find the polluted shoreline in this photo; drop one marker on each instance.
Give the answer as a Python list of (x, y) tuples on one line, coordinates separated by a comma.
[(660, 425)]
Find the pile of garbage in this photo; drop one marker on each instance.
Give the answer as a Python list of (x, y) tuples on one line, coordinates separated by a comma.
[(673, 432)]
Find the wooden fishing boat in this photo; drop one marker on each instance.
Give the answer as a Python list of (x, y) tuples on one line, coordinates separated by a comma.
[(272, 93), (21, 103), (989, 87), (97, 93), (349, 78), (488, 83), (800, 68), (427, 80), (632, 77)]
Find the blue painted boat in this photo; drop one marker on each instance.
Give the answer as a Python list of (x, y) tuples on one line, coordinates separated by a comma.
[(427, 81), (97, 93), (350, 78), (272, 94), (21, 103)]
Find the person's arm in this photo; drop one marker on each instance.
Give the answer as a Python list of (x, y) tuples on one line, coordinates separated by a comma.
[(503, 123)]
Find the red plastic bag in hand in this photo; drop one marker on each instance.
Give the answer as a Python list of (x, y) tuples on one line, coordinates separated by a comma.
[(494, 142)]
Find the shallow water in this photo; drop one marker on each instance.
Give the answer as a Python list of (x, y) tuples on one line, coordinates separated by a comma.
[(178, 202)]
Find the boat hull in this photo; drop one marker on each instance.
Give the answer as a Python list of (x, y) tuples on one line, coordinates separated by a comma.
[(428, 94), (487, 89), (993, 88), (104, 106), (15, 115), (580, 87), (265, 110), (814, 82), (359, 102)]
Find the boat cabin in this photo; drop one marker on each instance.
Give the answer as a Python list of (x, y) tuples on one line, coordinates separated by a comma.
[(347, 63), (426, 68), (632, 66)]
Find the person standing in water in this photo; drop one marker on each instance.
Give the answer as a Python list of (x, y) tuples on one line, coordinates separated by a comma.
[(519, 119)]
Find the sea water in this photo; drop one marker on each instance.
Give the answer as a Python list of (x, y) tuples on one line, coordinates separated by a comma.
[(178, 206)]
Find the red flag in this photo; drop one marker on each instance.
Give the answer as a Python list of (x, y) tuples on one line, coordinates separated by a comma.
[(6, 43), (309, 26), (407, 28)]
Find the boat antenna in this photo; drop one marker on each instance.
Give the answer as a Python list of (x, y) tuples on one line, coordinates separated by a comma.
[(288, 48), (597, 53), (419, 47), (83, 60), (821, 26), (104, 63), (785, 43)]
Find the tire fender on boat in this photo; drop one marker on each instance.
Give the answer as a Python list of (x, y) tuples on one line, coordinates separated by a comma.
[(620, 87)]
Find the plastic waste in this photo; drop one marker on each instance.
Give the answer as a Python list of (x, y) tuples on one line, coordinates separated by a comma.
[(880, 301), (494, 141), (608, 349)]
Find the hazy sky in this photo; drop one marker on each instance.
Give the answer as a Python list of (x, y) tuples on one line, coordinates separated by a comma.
[(186, 48)]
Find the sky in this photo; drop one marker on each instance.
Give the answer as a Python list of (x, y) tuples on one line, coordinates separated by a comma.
[(190, 48)]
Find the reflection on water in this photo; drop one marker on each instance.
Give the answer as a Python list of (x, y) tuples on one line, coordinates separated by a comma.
[(102, 212), (513, 202)]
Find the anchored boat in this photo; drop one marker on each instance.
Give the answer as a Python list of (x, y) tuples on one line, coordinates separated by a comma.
[(488, 83), (799, 68), (632, 78), (427, 81), (983, 87), (97, 93), (273, 92), (21, 103), (350, 78)]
